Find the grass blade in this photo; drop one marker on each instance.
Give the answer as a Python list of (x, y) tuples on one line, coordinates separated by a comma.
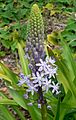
[(6, 113)]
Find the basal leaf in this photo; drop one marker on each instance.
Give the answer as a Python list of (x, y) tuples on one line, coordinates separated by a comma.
[(23, 61), (12, 76), (5, 77), (7, 102), (18, 98)]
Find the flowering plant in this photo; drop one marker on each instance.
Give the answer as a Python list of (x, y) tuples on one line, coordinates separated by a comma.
[(36, 88), (42, 67)]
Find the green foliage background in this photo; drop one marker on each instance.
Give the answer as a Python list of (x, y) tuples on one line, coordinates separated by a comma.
[(14, 14)]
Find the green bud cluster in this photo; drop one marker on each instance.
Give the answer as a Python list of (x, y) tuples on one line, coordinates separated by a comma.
[(36, 26)]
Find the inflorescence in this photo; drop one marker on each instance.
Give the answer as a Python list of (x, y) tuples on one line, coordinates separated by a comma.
[(41, 79), (43, 68)]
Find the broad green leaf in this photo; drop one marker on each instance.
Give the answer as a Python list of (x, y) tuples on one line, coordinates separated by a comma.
[(18, 97), (7, 102), (62, 79), (12, 76), (5, 77), (58, 110), (69, 113), (69, 80), (23, 61), (68, 67), (35, 113), (69, 59)]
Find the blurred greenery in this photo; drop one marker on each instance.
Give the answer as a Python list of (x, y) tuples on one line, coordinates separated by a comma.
[(14, 15)]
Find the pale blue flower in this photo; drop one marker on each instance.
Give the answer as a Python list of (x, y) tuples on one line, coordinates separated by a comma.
[(51, 72), (39, 106), (38, 78), (49, 107), (31, 88), (24, 79), (42, 65), (46, 85), (55, 88), (26, 96), (30, 104), (47, 68), (22, 75), (50, 60)]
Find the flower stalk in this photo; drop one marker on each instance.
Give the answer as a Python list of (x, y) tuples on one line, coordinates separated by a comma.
[(43, 104), (35, 46), (44, 112)]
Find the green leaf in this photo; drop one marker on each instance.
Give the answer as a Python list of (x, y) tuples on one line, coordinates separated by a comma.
[(70, 113), (7, 102), (68, 67), (2, 53), (6, 113), (5, 77), (58, 110), (19, 112), (18, 98), (23, 61), (35, 113), (12, 76), (71, 26), (69, 59)]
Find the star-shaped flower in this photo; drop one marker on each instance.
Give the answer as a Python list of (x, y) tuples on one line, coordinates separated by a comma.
[(32, 88), (46, 85), (55, 88), (50, 60), (24, 79), (38, 78), (51, 72), (42, 65)]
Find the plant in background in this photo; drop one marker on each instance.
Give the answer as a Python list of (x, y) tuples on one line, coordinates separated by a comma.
[(13, 16), (69, 33)]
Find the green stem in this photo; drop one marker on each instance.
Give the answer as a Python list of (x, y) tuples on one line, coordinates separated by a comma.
[(44, 112), (43, 104)]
